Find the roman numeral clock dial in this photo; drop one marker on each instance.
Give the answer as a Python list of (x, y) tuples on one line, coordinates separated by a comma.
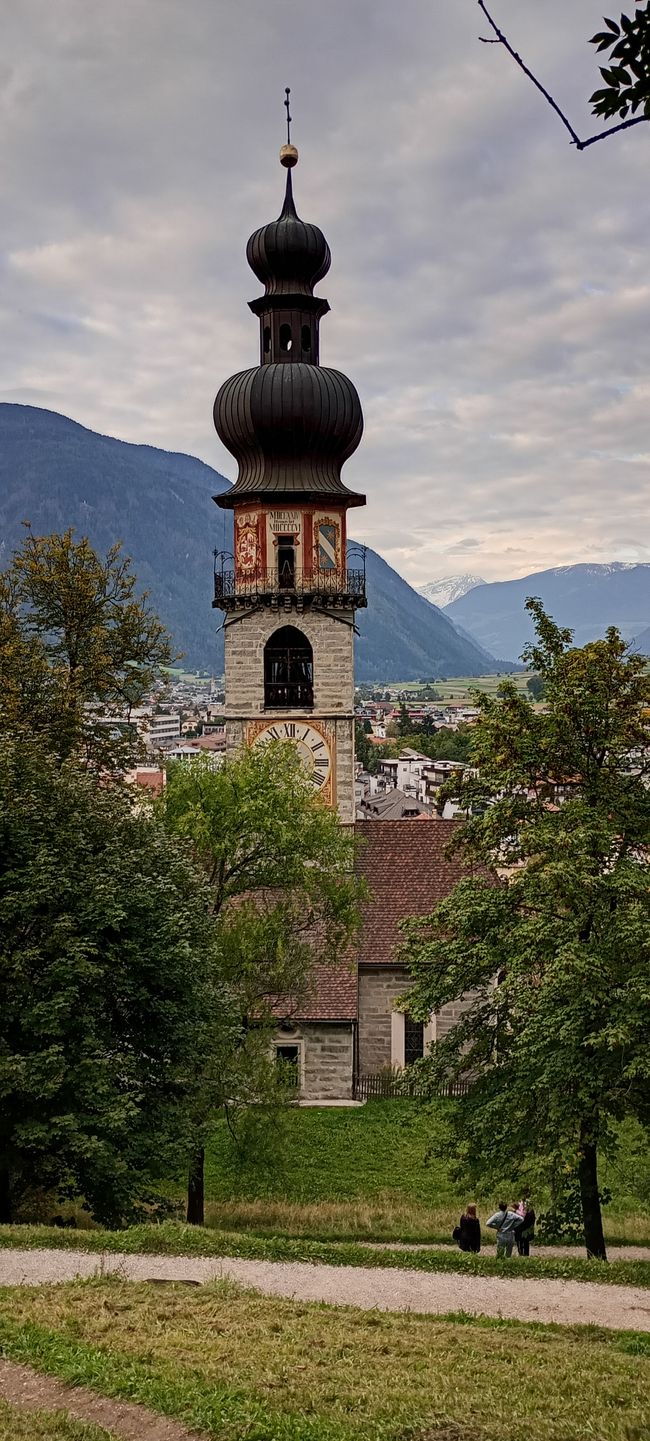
[(311, 745)]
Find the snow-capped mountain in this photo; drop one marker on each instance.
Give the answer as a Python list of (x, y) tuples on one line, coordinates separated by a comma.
[(585, 597), (450, 587)]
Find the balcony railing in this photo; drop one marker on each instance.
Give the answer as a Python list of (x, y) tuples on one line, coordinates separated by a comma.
[(228, 586)]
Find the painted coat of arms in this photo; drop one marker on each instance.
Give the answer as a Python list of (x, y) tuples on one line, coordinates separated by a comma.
[(247, 548), (327, 536)]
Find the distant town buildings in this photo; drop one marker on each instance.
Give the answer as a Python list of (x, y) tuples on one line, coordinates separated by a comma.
[(404, 786)]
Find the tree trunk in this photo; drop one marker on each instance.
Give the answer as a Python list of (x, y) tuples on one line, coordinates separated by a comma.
[(196, 1190), (6, 1216), (591, 1213)]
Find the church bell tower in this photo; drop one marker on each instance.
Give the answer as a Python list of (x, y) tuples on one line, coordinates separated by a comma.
[(290, 598)]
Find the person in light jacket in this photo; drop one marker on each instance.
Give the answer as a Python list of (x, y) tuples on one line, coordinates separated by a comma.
[(505, 1222)]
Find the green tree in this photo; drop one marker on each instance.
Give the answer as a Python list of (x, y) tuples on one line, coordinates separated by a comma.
[(627, 77), (445, 744), (109, 989), (279, 865), (535, 687), (364, 750), (558, 1050), (405, 726), (78, 649)]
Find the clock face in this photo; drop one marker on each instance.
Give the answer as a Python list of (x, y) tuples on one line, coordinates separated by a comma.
[(311, 745)]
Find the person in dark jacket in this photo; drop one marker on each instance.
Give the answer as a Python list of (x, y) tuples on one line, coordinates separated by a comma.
[(469, 1230), (526, 1230)]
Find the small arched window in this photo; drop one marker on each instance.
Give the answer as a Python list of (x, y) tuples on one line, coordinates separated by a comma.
[(285, 337), (288, 669), (267, 339), (306, 339)]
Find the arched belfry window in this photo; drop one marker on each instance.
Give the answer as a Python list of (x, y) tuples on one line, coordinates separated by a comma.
[(288, 669)]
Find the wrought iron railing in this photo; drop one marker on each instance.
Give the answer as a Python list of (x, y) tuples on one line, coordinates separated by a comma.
[(228, 585), (288, 694)]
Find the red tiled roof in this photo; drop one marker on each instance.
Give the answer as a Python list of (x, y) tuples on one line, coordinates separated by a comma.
[(213, 741), (408, 873), (330, 995), (150, 780)]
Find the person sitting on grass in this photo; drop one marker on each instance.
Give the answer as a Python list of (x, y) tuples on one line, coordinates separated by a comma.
[(505, 1222), (468, 1231)]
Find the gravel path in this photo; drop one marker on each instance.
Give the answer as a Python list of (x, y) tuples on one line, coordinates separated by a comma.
[(568, 1302), (30, 1391)]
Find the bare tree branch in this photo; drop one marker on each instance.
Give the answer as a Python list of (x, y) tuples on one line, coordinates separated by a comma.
[(575, 138)]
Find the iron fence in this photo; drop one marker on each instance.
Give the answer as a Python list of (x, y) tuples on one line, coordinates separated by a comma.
[(395, 1085), (229, 585)]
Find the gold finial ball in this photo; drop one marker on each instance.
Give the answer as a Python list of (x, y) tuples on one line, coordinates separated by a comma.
[(288, 156)]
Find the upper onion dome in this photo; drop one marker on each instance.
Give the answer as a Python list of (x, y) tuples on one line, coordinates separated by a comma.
[(288, 255), (290, 422)]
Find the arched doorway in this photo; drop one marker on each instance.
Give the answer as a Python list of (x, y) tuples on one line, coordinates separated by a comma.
[(288, 669)]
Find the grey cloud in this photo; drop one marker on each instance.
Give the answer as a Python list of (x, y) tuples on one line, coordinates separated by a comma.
[(489, 285)]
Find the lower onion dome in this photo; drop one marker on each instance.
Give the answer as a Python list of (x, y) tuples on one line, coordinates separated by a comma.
[(291, 427)]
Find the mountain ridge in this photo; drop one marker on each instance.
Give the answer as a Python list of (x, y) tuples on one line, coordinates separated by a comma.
[(586, 597), (58, 473)]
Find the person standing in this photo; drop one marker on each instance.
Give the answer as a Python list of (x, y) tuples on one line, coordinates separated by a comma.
[(526, 1231), (469, 1231), (505, 1222)]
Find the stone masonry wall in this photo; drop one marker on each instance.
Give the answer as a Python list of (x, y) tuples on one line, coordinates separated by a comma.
[(332, 642), (328, 1057), (378, 991)]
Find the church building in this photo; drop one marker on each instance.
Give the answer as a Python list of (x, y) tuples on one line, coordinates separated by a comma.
[(290, 602)]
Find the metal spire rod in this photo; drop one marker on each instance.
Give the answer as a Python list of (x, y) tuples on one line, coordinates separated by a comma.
[(287, 104)]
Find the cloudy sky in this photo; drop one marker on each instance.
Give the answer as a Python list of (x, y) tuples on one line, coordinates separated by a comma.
[(490, 286)]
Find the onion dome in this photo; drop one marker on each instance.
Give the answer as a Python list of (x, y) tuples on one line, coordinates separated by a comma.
[(291, 428), (288, 255), (289, 422)]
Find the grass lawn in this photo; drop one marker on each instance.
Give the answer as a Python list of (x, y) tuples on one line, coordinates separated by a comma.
[(17, 1425), (368, 1174), (365, 1174), (237, 1365)]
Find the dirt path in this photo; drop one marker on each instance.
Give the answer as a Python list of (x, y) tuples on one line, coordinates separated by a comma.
[(30, 1391), (567, 1302)]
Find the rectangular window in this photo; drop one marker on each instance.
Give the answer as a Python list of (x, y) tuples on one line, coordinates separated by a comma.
[(286, 562), (413, 1040), (288, 1059)]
